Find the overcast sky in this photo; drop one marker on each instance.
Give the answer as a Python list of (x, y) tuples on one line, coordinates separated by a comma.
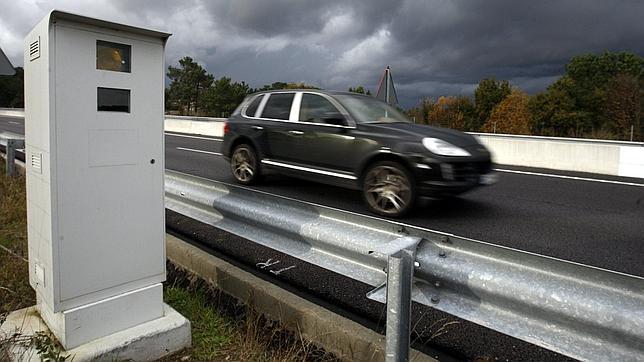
[(434, 47)]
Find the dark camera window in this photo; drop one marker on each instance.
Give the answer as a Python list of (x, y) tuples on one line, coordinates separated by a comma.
[(252, 107), (278, 106), (113, 100), (113, 56)]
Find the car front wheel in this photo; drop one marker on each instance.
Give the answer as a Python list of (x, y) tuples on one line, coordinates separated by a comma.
[(388, 189), (244, 164)]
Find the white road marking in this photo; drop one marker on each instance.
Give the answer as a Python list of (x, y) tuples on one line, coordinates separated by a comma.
[(201, 138), (570, 177), (199, 151)]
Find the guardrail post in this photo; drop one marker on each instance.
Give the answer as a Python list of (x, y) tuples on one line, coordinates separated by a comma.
[(401, 257), (11, 155), (400, 274)]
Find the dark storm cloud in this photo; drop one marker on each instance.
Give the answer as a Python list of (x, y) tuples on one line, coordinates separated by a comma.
[(294, 18), (466, 39), (435, 47)]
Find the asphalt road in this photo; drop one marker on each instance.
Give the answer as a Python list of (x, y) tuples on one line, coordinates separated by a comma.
[(597, 220), (11, 124)]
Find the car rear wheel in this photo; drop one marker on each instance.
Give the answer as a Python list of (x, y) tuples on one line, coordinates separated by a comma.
[(388, 189), (244, 164)]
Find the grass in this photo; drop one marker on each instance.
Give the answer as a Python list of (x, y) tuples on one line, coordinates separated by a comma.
[(15, 291), (210, 332), (222, 329)]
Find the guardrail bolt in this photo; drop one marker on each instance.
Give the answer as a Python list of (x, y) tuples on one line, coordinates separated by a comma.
[(442, 253), (435, 299)]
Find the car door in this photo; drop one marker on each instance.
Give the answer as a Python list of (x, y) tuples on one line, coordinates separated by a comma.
[(324, 138), (276, 117)]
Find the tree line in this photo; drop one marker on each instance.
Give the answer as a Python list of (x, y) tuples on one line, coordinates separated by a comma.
[(194, 91), (12, 89), (599, 96)]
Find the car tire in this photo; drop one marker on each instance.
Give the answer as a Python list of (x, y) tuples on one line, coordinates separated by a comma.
[(388, 189), (245, 165)]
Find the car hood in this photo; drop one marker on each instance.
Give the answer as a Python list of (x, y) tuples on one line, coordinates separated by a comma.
[(414, 131)]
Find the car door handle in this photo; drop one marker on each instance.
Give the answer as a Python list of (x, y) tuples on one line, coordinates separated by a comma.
[(259, 128), (297, 133)]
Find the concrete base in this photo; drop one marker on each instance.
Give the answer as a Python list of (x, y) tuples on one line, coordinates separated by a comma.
[(144, 342), (77, 326)]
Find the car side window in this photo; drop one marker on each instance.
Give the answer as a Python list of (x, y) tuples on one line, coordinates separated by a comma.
[(317, 109), (278, 106), (252, 107)]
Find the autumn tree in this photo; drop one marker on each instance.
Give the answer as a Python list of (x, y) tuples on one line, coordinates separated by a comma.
[(465, 106), (188, 83), (487, 95), (591, 75), (586, 101), (451, 112), (623, 110), (554, 113), (510, 116), (420, 112), (443, 114)]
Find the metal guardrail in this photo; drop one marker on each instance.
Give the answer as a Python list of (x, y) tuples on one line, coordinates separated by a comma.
[(580, 311), (11, 142)]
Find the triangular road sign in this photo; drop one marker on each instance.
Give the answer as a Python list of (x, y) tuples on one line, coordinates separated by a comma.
[(386, 90)]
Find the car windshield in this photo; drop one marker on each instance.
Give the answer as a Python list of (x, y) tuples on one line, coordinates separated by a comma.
[(367, 109)]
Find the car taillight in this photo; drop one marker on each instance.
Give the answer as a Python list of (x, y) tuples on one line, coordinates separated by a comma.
[(226, 128)]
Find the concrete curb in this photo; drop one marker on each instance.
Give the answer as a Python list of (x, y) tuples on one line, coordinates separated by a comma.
[(617, 158), (345, 338), (195, 125)]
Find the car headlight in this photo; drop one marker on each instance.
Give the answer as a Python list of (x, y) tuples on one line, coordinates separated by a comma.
[(443, 148)]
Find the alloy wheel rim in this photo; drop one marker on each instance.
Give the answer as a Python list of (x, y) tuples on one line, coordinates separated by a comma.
[(242, 165), (387, 189)]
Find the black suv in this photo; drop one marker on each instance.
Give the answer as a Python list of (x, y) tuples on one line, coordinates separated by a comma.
[(353, 141)]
